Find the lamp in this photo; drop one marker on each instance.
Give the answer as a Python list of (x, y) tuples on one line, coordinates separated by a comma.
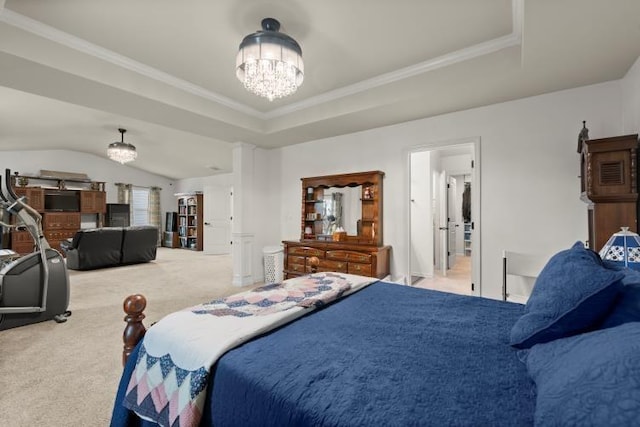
[(120, 151), (623, 248), (269, 63)]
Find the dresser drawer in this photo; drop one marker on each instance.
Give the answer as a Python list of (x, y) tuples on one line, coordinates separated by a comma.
[(59, 234), (306, 251), (22, 248), (349, 256), (21, 237), (361, 269), (294, 259), (299, 268), (328, 265)]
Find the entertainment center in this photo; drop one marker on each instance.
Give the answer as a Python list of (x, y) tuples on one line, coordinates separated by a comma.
[(61, 207)]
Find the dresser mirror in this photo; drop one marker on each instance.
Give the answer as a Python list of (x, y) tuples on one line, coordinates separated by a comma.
[(343, 208)]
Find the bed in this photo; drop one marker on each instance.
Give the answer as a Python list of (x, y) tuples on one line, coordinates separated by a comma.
[(395, 355)]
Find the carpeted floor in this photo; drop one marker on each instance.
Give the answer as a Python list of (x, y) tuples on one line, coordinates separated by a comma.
[(67, 374)]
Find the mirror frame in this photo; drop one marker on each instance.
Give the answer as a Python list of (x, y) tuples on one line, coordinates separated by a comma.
[(371, 206)]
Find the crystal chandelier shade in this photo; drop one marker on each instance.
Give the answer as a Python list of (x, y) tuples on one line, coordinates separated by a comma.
[(269, 63), (120, 151)]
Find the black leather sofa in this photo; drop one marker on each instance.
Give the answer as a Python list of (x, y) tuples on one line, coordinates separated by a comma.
[(111, 246)]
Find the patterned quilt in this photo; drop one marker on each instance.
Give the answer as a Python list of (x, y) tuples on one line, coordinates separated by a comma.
[(169, 383)]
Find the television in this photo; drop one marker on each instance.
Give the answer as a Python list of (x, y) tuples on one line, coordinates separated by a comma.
[(117, 215), (62, 201)]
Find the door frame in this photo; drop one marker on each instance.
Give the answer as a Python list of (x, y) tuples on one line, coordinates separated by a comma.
[(451, 223), (208, 196), (443, 224), (476, 258)]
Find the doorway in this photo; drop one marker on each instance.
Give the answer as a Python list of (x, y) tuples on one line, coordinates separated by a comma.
[(444, 213), (218, 204)]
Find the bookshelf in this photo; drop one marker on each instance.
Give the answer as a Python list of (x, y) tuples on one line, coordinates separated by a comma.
[(467, 238), (190, 213)]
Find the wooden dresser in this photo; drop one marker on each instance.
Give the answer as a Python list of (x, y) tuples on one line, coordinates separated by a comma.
[(59, 226), (357, 207), (364, 260)]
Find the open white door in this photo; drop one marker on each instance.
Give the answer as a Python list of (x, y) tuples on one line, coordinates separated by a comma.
[(468, 170), (217, 220), (443, 232), (451, 221)]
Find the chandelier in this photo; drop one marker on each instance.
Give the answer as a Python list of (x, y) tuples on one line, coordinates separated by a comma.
[(269, 63), (120, 151)]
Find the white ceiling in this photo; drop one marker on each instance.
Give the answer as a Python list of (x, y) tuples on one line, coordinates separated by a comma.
[(73, 71)]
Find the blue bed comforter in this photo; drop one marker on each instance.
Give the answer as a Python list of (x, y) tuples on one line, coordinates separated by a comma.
[(387, 355)]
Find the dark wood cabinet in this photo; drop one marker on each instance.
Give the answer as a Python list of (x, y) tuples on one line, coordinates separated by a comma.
[(93, 201), (59, 226), (609, 184), (21, 242), (34, 196), (61, 210), (170, 239)]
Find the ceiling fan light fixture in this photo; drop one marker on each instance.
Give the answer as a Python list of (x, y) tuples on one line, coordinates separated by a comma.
[(269, 63), (121, 151)]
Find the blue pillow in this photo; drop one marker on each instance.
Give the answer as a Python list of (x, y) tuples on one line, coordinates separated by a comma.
[(626, 308), (591, 379), (630, 276), (572, 294)]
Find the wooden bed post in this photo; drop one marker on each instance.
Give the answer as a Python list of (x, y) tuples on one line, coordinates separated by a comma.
[(133, 305)]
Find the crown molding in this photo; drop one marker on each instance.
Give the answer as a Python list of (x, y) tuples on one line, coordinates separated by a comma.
[(50, 33), (465, 54), (461, 55)]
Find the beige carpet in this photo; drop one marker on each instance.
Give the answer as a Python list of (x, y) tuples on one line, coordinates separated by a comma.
[(67, 374)]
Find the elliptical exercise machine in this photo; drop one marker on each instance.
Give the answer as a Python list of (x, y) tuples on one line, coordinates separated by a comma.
[(34, 287)]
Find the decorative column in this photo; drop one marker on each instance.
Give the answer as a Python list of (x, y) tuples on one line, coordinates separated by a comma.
[(242, 231)]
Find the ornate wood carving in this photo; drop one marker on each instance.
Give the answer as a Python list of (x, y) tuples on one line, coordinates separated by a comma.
[(610, 184)]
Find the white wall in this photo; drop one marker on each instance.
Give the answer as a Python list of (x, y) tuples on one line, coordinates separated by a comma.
[(96, 168), (197, 184), (530, 188), (631, 99), (266, 206)]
